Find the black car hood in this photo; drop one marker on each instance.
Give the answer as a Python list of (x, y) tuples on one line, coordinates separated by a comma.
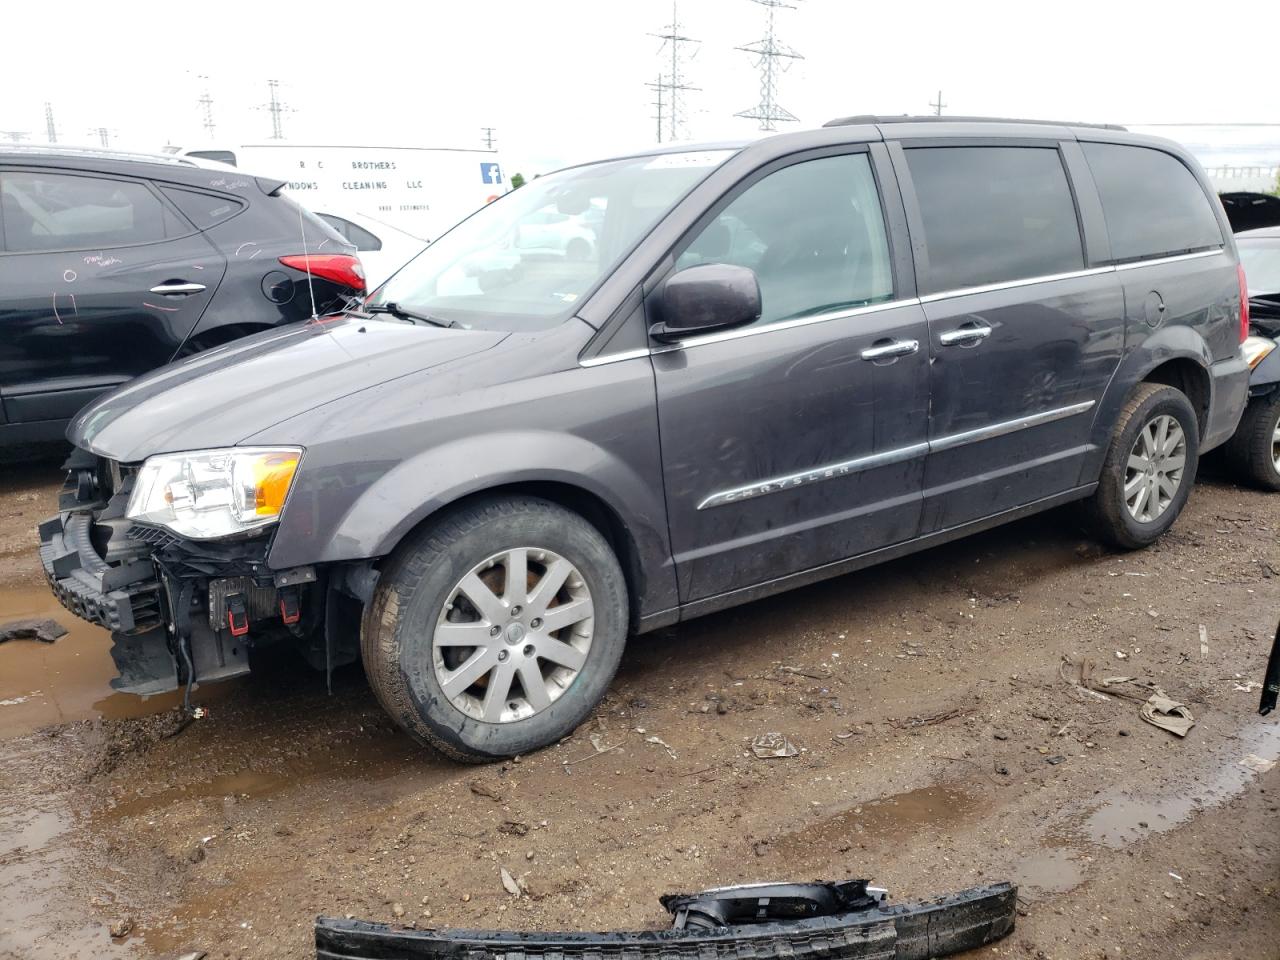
[(218, 398)]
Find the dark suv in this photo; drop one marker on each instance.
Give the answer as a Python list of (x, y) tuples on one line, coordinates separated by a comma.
[(114, 264), (780, 362)]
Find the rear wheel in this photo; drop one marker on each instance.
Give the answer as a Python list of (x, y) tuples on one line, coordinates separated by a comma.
[(497, 630), (1149, 468), (1254, 449)]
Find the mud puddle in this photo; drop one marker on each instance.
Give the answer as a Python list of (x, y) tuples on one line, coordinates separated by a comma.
[(1048, 871), (67, 680), (888, 818), (1123, 818)]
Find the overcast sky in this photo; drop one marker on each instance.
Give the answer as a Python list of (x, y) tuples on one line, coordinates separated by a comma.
[(564, 80)]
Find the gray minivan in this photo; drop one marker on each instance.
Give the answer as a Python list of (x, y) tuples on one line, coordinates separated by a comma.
[(780, 361)]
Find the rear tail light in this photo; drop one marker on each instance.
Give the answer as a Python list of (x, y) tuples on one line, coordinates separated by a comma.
[(341, 268), (1244, 304)]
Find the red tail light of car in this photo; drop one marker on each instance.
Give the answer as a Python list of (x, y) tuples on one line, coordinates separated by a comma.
[(341, 268), (1244, 304)]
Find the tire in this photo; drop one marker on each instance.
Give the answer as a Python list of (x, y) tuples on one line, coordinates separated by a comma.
[(1109, 512), (1254, 448), (413, 646)]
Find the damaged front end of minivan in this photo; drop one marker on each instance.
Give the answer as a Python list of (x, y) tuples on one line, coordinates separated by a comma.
[(171, 558)]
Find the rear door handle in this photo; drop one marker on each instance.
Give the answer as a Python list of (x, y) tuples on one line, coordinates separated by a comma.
[(965, 334), (178, 289), (891, 349)]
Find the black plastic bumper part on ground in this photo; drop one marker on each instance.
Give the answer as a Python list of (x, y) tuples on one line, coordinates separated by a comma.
[(911, 931)]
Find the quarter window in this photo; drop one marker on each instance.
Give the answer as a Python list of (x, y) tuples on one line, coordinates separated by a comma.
[(812, 232), (203, 209), (994, 214), (45, 211), (1153, 205), (358, 235)]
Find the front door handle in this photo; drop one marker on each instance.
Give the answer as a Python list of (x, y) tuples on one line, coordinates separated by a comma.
[(175, 289), (968, 334), (890, 349)]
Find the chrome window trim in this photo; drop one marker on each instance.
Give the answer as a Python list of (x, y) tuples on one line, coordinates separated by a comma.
[(1013, 284), (829, 472), (846, 467), (1176, 258), (615, 357)]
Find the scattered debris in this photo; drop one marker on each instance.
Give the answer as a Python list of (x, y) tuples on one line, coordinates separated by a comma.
[(1160, 711), (513, 885), (121, 928), (1256, 763), (1204, 643), (513, 828), (46, 631), (768, 746), (907, 723), (1248, 686), (662, 743), (1055, 760), (397, 910), (482, 789), (1121, 655)]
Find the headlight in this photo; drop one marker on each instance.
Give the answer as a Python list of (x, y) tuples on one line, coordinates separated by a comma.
[(208, 494), (1256, 349)]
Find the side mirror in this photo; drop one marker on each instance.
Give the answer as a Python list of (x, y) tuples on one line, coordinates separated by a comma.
[(711, 296)]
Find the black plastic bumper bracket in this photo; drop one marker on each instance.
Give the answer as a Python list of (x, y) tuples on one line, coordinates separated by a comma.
[(910, 931)]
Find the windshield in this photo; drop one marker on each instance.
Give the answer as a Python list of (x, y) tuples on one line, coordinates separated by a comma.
[(524, 261), (1261, 260)]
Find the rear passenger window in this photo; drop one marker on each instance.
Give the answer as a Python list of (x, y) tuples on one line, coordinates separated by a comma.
[(812, 232), (202, 209), (49, 211), (362, 238), (994, 214), (1153, 205)]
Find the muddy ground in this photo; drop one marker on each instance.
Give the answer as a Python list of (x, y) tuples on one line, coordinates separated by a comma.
[(939, 747)]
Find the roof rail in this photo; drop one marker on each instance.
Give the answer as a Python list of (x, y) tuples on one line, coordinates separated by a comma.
[(905, 118), (97, 153)]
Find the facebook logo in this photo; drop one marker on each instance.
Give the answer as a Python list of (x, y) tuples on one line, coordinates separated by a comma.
[(490, 173)]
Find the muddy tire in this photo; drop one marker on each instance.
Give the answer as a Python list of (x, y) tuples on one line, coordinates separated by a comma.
[(1149, 468), (496, 630), (1254, 449)]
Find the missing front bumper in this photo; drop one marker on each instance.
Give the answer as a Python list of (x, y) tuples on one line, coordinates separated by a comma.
[(911, 931)]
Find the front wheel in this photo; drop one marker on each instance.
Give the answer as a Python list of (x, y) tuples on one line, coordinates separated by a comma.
[(1149, 468), (498, 629), (1254, 449)]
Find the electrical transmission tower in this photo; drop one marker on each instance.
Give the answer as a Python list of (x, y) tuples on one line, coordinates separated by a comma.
[(277, 109), (206, 108), (103, 134), (15, 136), (937, 105), (673, 83), (487, 137), (51, 130), (769, 52)]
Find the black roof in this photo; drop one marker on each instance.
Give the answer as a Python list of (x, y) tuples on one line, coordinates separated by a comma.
[(930, 118), (169, 168)]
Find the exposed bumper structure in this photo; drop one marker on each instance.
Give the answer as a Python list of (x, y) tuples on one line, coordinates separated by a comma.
[(911, 931)]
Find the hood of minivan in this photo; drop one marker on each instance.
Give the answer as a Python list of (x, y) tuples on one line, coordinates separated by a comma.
[(218, 398)]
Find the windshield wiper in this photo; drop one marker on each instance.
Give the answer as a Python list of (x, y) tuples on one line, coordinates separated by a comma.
[(413, 317)]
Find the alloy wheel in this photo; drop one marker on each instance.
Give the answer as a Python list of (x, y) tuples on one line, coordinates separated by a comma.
[(1155, 468), (513, 635)]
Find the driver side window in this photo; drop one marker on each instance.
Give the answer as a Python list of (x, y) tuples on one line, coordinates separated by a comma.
[(812, 232)]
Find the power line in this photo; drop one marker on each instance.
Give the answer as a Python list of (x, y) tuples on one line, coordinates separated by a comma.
[(103, 135), (768, 53), (206, 109), (673, 83), (937, 105), (277, 109), (658, 86), (487, 136), (51, 130)]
